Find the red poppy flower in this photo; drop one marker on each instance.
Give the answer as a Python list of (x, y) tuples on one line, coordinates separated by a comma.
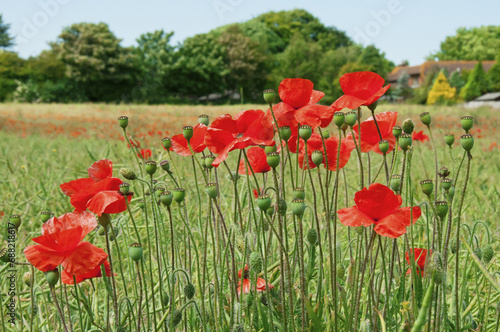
[(247, 128), (67, 278), (256, 192), (369, 133), (145, 154), (61, 244), (180, 144), (261, 283), (332, 145), (417, 136), (380, 206), (258, 162), (420, 256), (360, 88)]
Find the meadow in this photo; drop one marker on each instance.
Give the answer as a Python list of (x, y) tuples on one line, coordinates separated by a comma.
[(44, 146)]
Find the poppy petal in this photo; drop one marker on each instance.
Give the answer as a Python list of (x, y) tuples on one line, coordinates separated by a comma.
[(296, 92), (107, 202), (347, 101), (67, 278), (378, 201), (84, 219), (394, 225), (261, 285), (84, 258), (72, 187), (246, 286), (353, 217), (42, 258), (65, 240), (80, 199), (316, 96), (101, 170), (258, 162)]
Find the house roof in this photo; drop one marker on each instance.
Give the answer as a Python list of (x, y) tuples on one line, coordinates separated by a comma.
[(492, 96)]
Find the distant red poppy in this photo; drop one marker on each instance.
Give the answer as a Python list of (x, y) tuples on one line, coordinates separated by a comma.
[(418, 136), (96, 272), (247, 128), (258, 162), (332, 144), (145, 153), (369, 133), (420, 256), (360, 88), (61, 244), (380, 206), (256, 192), (180, 144), (261, 283)]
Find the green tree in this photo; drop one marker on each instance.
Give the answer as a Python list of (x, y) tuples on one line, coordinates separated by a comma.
[(6, 40), (494, 77), (403, 89), (456, 81), (420, 94), (12, 69), (441, 91), (376, 60), (477, 83)]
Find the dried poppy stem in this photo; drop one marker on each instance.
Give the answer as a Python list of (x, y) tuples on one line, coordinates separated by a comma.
[(58, 307)]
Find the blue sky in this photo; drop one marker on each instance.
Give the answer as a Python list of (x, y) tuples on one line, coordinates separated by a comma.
[(403, 29)]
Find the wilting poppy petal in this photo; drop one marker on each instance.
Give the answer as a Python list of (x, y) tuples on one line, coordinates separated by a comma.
[(246, 286), (84, 258), (353, 217), (101, 170), (71, 220), (108, 202), (258, 162), (261, 285), (96, 272), (296, 92), (377, 201), (42, 258)]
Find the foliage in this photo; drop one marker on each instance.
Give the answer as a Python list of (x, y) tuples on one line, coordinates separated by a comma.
[(26, 92), (456, 81), (6, 40), (494, 76), (441, 91), (477, 83), (403, 89), (12, 68)]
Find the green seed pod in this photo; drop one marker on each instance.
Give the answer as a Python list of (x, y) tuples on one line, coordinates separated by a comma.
[(270, 148), (255, 262), (45, 216), (425, 118), (4, 255), (467, 122), (175, 317), (478, 252), (397, 131), (373, 106), (165, 299), (187, 132), (299, 192), (204, 119), (27, 278), (128, 174), (444, 172), (298, 207), (408, 126), (15, 221), (179, 194), (449, 139), (317, 157), (135, 251), (264, 202), (312, 237), (285, 133), (124, 188), (351, 118), (212, 190), (441, 208), (166, 198), (269, 96), (104, 220), (166, 142), (405, 141), (189, 290), (340, 271), (305, 132), (487, 253), (446, 184), (325, 134), (427, 186), (52, 277), (165, 165), (383, 145), (467, 142), (282, 207), (273, 159), (339, 119), (123, 121), (209, 160), (150, 167), (395, 182)]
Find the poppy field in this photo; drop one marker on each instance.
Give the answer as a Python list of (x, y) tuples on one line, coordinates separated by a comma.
[(284, 216)]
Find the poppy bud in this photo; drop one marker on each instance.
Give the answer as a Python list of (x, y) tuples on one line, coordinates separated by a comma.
[(204, 119), (383, 145), (467, 142), (165, 165), (444, 171), (340, 271), (299, 193), (270, 213), (187, 132), (150, 167), (396, 131), (298, 207), (425, 118), (395, 182), (27, 278), (264, 202), (166, 142), (305, 132), (269, 96), (52, 277), (282, 207), (123, 121), (479, 253), (269, 148), (449, 139), (166, 198), (312, 236), (179, 194), (240, 244), (285, 133), (273, 159), (189, 290), (175, 317), (373, 106), (441, 208), (438, 275), (446, 183), (45, 216), (4, 255), (124, 188), (165, 299), (339, 118), (351, 118), (209, 160), (128, 174), (405, 141), (15, 220), (408, 126), (427, 186), (104, 220), (212, 190), (467, 122), (487, 253), (317, 157), (255, 262), (451, 193), (135, 251)]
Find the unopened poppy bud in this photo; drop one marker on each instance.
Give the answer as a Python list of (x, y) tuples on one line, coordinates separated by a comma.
[(427, 186), (45, 216), (104, 220), (187, 132), (166, 198), (488, 253), (325, 133), (128, 174), (264, 202), (175, 317), (405, 141), (15, 221), (305, 132), (166, 142), (285, 133), (52, 277), (189, 290), (27, 278), (209, 160), (270, 213), (269, 96), (450, 193), (179, 194), (4, 255), (395, 182), (165, 299), (479, 253), (351, 118), (383, 145), (269, 148), (150, 167), (467, 142), (273, 159), (449, 139), (425, 118), (339, 119), (441, 208), (340, 271), (135, 251), (453, 246), (444, 171), (438, 275), (124, 188), (467, 122), (299, 192), (282, 207), (397, 131), (298, 207), (446, 183), (408, 126), (373, 106), (255, 262), (317, 157), (123, 121), (212, 190), (312, 236), (204, 119), (165, 165)]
